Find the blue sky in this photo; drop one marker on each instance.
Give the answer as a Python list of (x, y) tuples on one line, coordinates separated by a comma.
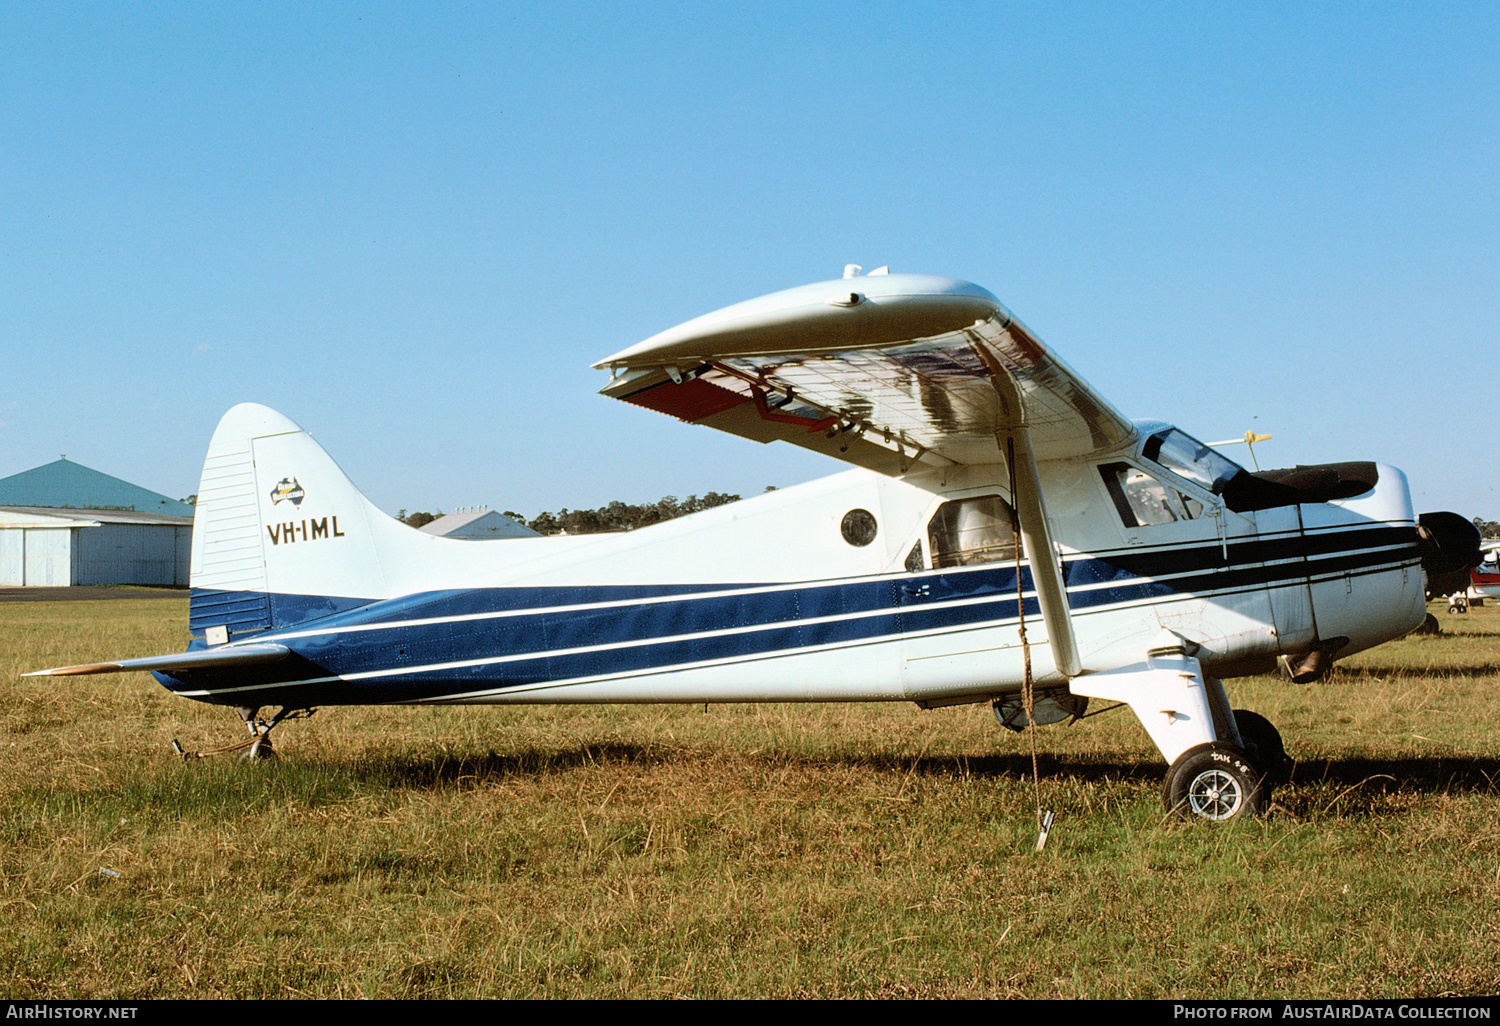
[(411, 228)]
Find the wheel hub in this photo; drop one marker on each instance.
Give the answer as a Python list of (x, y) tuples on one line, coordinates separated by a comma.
[(1214, 794)]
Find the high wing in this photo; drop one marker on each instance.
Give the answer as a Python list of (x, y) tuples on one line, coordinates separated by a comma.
[(885, 371)]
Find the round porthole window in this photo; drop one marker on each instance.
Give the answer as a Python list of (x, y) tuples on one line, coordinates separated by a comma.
[(858, 527)]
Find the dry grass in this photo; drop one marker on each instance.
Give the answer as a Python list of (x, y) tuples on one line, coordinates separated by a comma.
[(832, 851)]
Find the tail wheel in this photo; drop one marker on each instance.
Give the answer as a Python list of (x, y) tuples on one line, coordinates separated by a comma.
[(259, 751), (1263, 744), (1216, 782)]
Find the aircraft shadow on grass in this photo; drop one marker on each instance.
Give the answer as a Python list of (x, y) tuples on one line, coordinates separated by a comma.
[(1426, 774), (1372, 778), (1375, 674), (424, 772)]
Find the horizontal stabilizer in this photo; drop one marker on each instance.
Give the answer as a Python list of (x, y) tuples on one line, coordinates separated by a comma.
[(200, 659)]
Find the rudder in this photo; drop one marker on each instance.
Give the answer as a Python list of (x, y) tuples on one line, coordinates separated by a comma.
[(280, 534)]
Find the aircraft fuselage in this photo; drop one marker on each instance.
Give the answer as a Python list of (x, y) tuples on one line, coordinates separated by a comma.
[(895, 595)]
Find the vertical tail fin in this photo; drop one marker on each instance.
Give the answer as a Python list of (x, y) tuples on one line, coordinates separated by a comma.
[(280, 535)]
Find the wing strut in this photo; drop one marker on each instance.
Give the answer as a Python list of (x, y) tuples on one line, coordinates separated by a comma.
[(1036, 535)]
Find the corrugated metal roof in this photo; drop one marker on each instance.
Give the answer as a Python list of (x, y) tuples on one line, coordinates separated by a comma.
[(482, 524), (40, 516), (63, 484)]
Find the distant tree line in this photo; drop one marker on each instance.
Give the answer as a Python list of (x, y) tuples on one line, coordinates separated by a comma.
[(418, 519), (621, 516), (1488, 528), (617, 516)]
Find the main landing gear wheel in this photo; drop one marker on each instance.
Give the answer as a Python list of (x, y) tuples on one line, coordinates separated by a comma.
[(1263, 745), (1214, 781)]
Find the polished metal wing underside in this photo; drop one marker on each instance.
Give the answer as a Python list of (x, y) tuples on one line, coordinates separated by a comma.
[(886, 372)]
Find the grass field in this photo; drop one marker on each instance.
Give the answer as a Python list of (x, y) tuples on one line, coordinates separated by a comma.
[(823, 850)]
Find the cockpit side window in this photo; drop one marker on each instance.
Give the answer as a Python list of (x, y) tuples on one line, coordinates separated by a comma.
[(964, 532), (1142, 500)]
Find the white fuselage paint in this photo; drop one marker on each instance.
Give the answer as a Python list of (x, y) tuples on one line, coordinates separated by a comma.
[(791, 539)]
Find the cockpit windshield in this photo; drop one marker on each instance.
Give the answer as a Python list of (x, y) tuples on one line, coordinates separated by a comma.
[(1187, 457)]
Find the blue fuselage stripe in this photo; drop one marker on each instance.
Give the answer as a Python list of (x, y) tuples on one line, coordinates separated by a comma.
[(510, 637)]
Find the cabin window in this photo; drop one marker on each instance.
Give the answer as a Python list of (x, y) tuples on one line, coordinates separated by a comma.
[(914, 564), (968, 531), (1142, 500), (859, 527)]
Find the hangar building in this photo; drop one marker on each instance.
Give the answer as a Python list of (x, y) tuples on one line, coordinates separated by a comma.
[(73, 486), (477, 525), (65, 524)]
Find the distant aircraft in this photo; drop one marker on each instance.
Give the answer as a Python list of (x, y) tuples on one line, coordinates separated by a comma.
[(991, 487), (1484, 580)]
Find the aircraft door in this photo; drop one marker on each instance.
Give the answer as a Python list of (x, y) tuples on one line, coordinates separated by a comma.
[(958, 606)]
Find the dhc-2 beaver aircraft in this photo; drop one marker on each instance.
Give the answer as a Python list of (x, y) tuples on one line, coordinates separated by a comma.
[(991, 489)]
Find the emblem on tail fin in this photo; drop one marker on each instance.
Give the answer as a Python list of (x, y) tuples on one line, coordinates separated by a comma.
[(287, 489)]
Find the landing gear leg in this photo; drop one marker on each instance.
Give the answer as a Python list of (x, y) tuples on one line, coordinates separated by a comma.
[(260, 749)]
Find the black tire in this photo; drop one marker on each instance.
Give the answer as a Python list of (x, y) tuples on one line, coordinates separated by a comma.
[(1263, 745), (1215, 782), (1430, 625)]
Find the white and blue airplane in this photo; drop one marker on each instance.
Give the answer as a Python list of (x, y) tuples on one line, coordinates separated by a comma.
[(1005, 535)]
